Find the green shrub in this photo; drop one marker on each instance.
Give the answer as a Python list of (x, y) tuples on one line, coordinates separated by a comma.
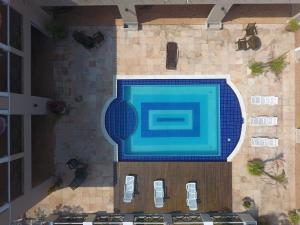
[(294, 217), (57, 30), (293, 25), (256, 167), (280, 178), (256, 68), (248, 203), (278, 65)]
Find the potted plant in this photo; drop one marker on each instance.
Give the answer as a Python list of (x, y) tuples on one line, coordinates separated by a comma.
[(256, 68), (262, 220), (277, 65), (293, 217), (248, 203), (57, 107), (57, 30), (293, 25)]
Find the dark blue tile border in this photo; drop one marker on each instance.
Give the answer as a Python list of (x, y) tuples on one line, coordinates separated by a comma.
[(231, 119)]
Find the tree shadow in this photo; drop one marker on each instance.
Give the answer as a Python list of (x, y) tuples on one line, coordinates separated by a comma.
[(274, 219), (275, 158), (64, 210)]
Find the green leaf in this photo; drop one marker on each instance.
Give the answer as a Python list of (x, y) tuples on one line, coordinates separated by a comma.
[(278, 65), (294, 217), (293, 25), (256, 167), (256, 68)]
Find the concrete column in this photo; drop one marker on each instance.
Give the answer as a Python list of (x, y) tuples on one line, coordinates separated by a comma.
[(3, 103), (28, 105), (4, 217), (128, 13), (217, 14), (168, 219), (207, 219)]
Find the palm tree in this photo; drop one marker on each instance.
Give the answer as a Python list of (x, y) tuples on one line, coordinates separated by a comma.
[(256, 167)]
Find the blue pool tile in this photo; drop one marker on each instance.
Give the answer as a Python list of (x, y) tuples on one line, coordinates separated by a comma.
[(230, 120)]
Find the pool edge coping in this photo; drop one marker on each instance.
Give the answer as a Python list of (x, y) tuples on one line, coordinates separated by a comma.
[(244, 116)]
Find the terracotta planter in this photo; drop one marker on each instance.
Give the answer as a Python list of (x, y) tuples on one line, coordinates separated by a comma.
[(57, 107)]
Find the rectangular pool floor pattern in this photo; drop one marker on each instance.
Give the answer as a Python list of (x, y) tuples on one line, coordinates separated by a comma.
[(180, 120)]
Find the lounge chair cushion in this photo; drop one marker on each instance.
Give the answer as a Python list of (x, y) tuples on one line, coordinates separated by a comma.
[(172, 56)]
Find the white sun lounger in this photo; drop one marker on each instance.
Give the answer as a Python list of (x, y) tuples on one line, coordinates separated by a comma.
[(191, 196), (128, 189), (264, 100), (264, 121), (159, 193), (260, 142), (192, 203)]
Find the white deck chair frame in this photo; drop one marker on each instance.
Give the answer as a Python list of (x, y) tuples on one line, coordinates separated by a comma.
[(262, 142), (129, 189), (191, 198), (264, 100), (159, 193), (264, 121)]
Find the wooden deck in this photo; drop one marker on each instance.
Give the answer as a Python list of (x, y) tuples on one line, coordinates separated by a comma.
[(214, 184)]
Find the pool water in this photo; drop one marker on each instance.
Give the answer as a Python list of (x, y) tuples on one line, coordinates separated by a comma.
[(174, 120)]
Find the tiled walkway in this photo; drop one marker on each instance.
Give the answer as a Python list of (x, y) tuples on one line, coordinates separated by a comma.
[(85, 81)]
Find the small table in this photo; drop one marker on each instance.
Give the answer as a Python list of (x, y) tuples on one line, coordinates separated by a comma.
[(254, 42)]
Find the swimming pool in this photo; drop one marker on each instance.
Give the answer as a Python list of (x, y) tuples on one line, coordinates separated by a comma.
[(174, 120)]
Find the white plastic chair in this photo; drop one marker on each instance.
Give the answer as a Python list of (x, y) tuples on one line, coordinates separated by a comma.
[(261, 142), (264, 100), (264, 121), (191, 187), (192, 204), (191, 198), (159, 193), (128, 189)]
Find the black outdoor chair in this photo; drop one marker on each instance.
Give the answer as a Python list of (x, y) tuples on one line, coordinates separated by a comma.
[(88, 42), (172, 56), (80, 176), (83, 39), (98, 38), (254, 42), (242, 44), (73, 164), (251, 29)]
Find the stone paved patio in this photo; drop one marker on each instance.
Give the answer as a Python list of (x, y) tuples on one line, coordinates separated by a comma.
[(213, 52), (84, 80), (90, 75)]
